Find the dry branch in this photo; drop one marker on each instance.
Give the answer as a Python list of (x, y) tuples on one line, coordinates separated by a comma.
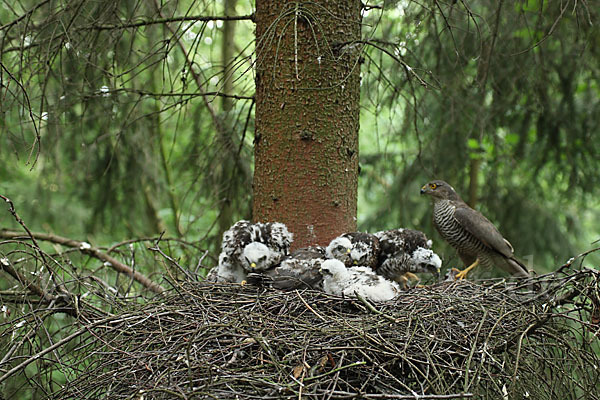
[(193, 18), (26, 283), (86, 248)]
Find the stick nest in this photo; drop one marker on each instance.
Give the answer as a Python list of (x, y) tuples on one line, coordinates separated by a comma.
[(450, 340)]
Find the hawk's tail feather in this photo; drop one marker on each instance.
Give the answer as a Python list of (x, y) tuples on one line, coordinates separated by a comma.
[(517, 268)]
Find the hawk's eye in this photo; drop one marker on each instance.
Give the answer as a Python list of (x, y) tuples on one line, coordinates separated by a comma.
[(432, 185)]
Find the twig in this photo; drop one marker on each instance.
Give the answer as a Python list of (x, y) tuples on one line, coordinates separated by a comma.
[(11, 209), (168, 94), (160, 21), (157, 249), (407, 68), (86, 248), (24, 15), (38, 138), (26, 283), (309, 307), (408, 397), (373, 309), (51, 348), (356, 364)]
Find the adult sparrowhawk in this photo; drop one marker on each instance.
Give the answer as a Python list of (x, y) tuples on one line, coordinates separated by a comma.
[(474, 237)]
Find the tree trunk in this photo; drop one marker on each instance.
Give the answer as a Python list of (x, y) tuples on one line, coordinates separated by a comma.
[(227, 51), (226, 162), (307, 117)]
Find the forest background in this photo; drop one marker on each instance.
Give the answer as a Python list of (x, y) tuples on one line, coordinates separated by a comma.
[(124, 120), (129, 127)]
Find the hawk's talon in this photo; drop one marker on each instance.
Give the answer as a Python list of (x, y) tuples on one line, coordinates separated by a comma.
[(460, 274), (463, 274)]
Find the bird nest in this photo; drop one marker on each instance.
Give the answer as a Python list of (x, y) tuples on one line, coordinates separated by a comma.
[(492, 339)]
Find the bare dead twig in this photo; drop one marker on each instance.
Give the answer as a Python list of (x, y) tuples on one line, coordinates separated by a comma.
[(26, 283), (165, 20), (170, 259), (437, 344), (53, 347), (24, 15), (38, 139), (86, 248)]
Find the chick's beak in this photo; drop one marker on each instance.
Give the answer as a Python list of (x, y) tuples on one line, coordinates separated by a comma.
[(253, 265), (432, 269)]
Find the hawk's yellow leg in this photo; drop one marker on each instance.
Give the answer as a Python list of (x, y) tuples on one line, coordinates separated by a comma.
[(463, 274)]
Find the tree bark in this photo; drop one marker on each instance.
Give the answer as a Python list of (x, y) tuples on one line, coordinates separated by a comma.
[(307, 117)]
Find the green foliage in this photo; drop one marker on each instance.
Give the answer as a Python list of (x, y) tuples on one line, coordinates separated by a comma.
[(512, 97), (129, 145), (112, 126)]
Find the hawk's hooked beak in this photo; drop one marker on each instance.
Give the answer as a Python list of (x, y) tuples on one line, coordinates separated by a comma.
[(252, 265), (423, 189)]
